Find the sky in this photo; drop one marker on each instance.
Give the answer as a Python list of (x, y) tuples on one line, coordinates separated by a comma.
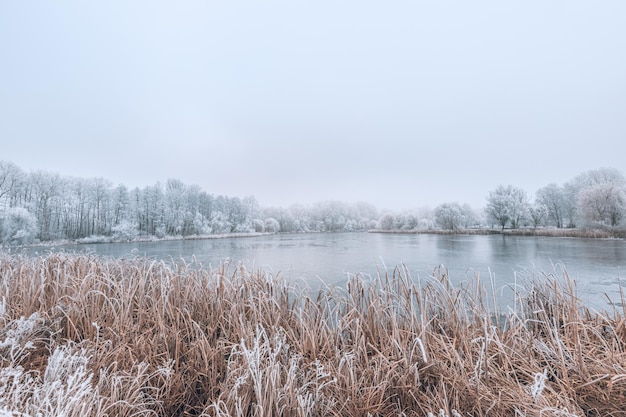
[(401, 104)]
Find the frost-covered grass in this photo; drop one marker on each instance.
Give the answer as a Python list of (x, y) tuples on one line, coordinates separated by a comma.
[(84, 335)]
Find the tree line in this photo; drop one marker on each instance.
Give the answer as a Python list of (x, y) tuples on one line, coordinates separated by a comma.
[(43, 206), (595, 198), (46, 206)]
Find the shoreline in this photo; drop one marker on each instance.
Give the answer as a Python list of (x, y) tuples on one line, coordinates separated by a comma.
[(569, 233), (579, 233), (94, 240)]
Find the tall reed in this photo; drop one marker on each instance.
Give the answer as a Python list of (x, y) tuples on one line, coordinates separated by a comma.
[(86, 335)]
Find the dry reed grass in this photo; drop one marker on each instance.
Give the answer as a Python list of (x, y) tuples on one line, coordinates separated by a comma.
[(84, 335)]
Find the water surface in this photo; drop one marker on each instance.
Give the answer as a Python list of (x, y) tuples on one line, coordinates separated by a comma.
[(329, 258)]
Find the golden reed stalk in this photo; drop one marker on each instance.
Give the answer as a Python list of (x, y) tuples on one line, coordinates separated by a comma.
[(84, 335)]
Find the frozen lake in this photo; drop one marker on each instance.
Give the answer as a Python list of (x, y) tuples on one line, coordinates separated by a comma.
[(328, 258)]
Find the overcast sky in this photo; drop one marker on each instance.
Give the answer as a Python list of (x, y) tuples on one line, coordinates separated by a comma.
[(399, 103)]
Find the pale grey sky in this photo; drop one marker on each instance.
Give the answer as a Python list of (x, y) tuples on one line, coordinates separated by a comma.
[(399, 103)]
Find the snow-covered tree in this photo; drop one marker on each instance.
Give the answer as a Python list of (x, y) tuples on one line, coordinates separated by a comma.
[(386, 222), (300, 218), (600, 176), (272, 225), (470, 216), (46, 202), (537, 214), (450, 216), (405, 221), (18, 226), (219, 223), (507, 205), (76, 208), (592, 178), (602, 203), (519, 207), (552, 198), (99, 190), (367, 213), (11, 180), (120, 205), (251, 209), (258, 225), (175, 208), (150, 211), (124, 230), (330, 216), (285, 218)]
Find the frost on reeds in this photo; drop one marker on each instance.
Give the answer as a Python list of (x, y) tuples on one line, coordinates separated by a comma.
[(90, 336)]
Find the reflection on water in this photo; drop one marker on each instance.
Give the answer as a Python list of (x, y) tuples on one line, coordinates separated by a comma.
[(318, 258)]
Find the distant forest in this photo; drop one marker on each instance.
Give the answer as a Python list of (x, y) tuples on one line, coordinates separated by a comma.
[(43, 206)]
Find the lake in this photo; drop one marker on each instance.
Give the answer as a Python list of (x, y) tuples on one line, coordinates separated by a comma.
[(329, 258)]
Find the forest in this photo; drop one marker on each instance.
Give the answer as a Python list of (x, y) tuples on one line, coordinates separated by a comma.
[(42, 206)]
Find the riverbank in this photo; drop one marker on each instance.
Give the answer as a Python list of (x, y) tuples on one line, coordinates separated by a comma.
[(84, 335), (108, 239), (546, 232)]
